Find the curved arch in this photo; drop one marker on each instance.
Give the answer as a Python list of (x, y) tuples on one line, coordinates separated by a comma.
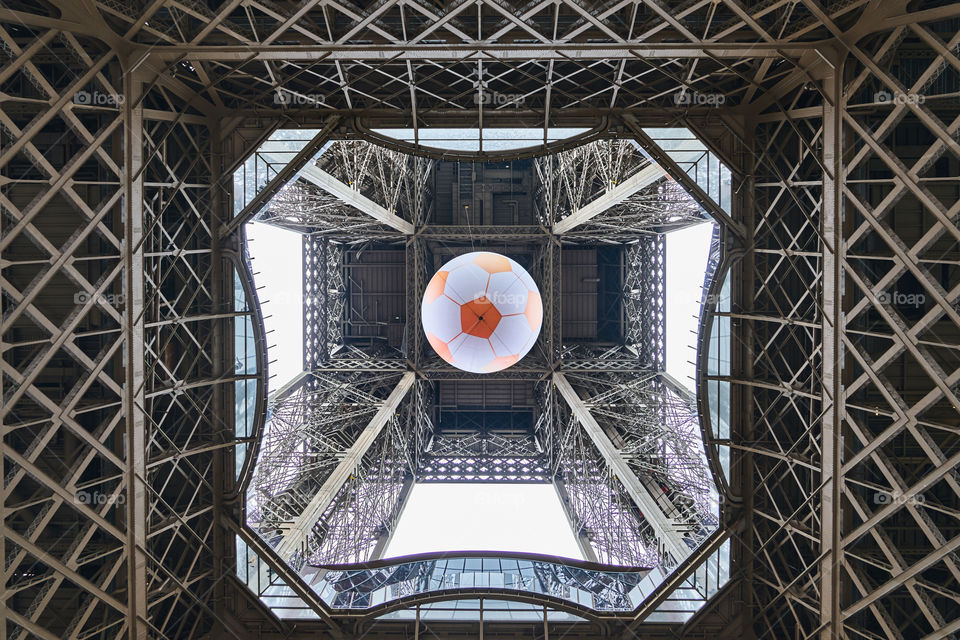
[(723, 271), (512, 555), (447, 595), (240, 263), (583, 587), (596, 133)]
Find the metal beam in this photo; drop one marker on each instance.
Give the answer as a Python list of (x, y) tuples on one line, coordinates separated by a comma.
[(491, 51), (136, 423), (285, 175), (383, 542), (582, 540), (299, 531), (636, 182), (671, 539), (334, 187), (831, 620)]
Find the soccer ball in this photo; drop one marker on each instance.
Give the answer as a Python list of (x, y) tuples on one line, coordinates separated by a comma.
[(481, 312)]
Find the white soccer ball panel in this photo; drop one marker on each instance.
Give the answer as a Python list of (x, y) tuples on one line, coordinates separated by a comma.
[(507, 293), (472, 354), (513, 332), (443, 317), (467, 282)]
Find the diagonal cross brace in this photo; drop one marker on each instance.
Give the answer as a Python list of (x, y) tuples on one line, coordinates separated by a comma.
[(646, 176), (317, 176), (665, 529), (299, 531)]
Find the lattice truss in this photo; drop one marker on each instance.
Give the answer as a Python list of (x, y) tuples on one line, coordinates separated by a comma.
[(645, 300), (491, 457), (425, 61), (656, 430), (311, 424), (366, 509), (114, 309), (397, 182), (636, 198), (849, 358), (844, 387), (599, 508), (324, 300)]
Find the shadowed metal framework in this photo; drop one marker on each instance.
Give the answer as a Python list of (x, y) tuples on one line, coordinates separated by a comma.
[(121, 125)]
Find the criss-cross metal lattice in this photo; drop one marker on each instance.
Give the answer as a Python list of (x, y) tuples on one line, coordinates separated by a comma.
[(121, 125)]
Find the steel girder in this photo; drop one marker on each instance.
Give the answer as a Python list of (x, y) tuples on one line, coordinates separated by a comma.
[(848, 324), (117, 370)]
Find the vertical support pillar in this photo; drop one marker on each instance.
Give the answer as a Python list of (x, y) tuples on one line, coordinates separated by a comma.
[(223, 356), (831, 553), (416, 625), (582, 541), (742, 358), (383, 542), (546, 629), (133, 329), (3, 527)]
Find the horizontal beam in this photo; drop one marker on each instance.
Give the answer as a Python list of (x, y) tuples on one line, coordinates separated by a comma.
[(317, 176), (488, 52), (643, 178), (671, 539)]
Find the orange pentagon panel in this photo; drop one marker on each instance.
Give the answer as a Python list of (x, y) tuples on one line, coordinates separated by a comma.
[(479, 318), (435, 288), (492, 262), (534, 310)]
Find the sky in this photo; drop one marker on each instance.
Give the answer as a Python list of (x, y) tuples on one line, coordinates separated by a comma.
[(475, 517), (484, 517), (278, 267), (687, 253)]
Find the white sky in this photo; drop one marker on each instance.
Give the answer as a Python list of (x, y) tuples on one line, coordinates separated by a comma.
[(687, 253), (484, 517), (469, 516), (278, 257)]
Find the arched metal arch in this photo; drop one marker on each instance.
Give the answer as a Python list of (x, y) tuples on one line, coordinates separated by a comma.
[(240, 263), (598, 132), (551, 602)]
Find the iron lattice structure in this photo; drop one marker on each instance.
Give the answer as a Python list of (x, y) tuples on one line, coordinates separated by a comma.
[(122, 462)]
